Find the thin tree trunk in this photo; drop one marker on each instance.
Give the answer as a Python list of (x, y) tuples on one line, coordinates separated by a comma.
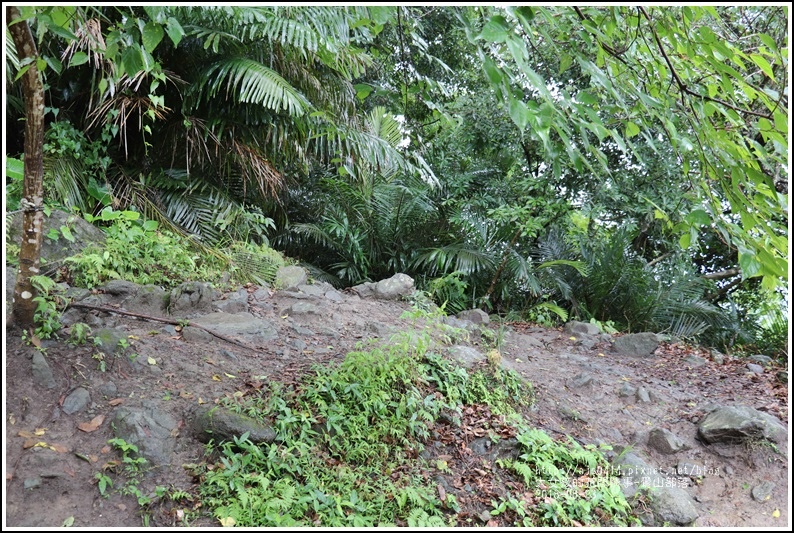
[(32, 193)]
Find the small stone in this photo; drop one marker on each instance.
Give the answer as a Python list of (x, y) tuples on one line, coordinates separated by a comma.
[(763, 491), (643, 396), (755, 369), (32, 482)]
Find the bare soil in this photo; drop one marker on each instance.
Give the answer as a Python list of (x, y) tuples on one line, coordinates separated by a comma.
[(51, 463)]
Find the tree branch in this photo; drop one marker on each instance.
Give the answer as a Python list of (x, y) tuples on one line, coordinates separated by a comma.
[(163, 320), (682, 86)]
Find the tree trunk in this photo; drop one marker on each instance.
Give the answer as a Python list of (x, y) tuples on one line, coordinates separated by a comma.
[(32, 194)]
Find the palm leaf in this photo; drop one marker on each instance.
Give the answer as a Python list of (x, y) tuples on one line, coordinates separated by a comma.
[(249, 81)]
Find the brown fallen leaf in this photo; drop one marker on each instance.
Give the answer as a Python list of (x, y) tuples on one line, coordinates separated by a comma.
[(105, 449), (60, 448), (29, 443), (26, 434), (116, 401), (442, 494), (93, 425)]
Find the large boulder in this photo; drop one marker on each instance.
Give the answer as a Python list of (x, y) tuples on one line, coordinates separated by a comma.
[(219, 424), (289, 277), (637, 344), (387, 289), (575, 327), (55, 250), (190, 299), (734, 424)]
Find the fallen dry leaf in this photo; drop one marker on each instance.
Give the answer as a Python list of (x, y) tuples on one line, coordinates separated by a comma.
[(116, 401), (93, 425), (26, 434), (60, 448), (29, 443)]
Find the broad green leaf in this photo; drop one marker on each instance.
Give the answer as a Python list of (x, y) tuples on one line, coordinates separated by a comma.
[(763, 64), (631, 129), (496, 29), (769, 42), (132, 61), (151, 36), (586, 98), (492, 71), (15, 168), (54, 63), (174, 30), (749, 264), (565, 62), (519, 113), (685, 240), (67, 233), (699, 217), (78, 58)]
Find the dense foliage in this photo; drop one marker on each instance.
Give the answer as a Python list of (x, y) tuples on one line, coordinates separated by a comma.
[(621, 164)]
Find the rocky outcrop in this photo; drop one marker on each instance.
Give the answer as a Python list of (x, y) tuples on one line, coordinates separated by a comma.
[(735, 424), (636, 344), (392, 288), (219, 424)]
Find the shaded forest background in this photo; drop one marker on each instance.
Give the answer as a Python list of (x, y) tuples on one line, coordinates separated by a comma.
[(622, 165)]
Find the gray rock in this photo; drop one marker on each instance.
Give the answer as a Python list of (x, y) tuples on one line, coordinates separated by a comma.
[(377, 328), (740, 423), (260, 295), (465, 355), (394, 287), (120, 287), (76, 401), (763, 491), (290, 276), (477, 316), (581, 328), (190, 299), (694, 361), (636, 344), (244, 327), (569, 412), (665, 441), (755, 369), (582, 380), (365, 290), (147, 300), (108, 390), (643, 396), (317, 290), (193, 334), (500, 449), (455, 322), (717, 357), (674, 506), (219, 424), (42, 373), (108, 339), (233, 302), (627, 390), (304, 308), (54, 251), (334, 295), (148, 428), (764, 360)]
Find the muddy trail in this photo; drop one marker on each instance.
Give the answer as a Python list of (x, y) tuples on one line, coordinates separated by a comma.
[(62, 406)]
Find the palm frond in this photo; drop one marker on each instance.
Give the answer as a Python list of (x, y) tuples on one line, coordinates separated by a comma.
[(248, 81)]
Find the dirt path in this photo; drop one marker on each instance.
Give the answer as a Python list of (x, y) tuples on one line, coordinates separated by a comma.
[(583, 392)]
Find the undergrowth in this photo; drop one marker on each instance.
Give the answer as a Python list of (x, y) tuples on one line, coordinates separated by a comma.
[(349, 439)]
